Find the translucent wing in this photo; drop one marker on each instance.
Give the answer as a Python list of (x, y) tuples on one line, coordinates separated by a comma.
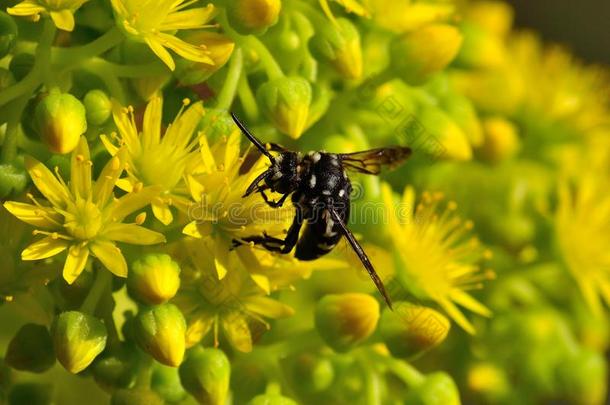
[(373, 160), (361, 255)]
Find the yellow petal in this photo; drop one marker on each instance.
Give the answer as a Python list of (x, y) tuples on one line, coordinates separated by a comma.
[(466, 300), (161, 52), (40, 217), (108, 177), (191, 229), (26, 8), (47, 183), (262, 281), (268, 307), (198, 328), (187, 51), (151, 134), (111, 257), (456, 315), (110, 147), (206, 155), (180, 133), (119, 209), (192, 18), (44, 248), (162, 211), (75, 262), (80, 170), (237, 331), (132, 233), (63, 19)]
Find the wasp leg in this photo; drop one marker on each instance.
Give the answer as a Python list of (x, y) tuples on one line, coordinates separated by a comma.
[(271, 203), (276, 244)]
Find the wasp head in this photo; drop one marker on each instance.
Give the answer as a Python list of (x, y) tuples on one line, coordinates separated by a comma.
[(283, 175)]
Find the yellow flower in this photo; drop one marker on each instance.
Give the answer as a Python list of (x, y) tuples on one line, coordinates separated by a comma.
[(582, 231), (61, 11), (155, 160), (235, 304), (155, 22), (351, 6), (83, 217), (437, 256)]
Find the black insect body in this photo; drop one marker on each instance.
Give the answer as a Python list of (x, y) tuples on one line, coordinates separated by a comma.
[(320, 190)]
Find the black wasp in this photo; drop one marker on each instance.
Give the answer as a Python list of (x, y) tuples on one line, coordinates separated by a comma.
[(320, 190)]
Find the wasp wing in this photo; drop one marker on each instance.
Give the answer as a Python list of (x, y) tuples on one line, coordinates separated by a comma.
[(361, 255), (371, 161)]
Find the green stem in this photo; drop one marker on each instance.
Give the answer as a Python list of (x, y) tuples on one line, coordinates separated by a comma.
[(227, 93), (248, 101), (129, 71), (74, 56), (103, 278), (144, 373), (9, 147)]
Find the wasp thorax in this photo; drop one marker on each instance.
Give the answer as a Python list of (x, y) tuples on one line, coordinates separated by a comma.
[(284, 174)]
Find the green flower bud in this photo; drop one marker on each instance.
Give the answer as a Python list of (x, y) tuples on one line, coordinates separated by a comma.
[(501, 139), (441, 138), (437, 389), (582, 378), (20, 65), (219, 47), (285, 101), (313, 373), (340, 46), (253, 16), (98, 106), (418, 55), (13, 179), (61, 120), (31, 349), (489, 381), (8, 34), (216, 124), (160, 332), (78, 339), (115, 369), (411, 330), (272, 399), (154, 279), (345, 320), (31, 394), (166, 383), (205, 374), (136, 396), (480, 49)]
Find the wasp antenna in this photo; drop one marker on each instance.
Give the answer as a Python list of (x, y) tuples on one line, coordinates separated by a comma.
[(252, 138)]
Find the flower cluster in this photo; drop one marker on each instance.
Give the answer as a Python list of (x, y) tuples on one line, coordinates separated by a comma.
[(129, 252)]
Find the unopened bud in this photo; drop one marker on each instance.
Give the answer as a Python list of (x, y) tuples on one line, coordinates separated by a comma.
[(154, 279), (115, 369), (205, 374), (488, 380), (285, 101), (345, 320), (98, 106), (160, 332), (438, 388), (501, 139), (411, 330), (78, 339), (419, 55), (219, 47), (165, 381), (582, 377), (480, 49), (340, 45), (314, 373), (442, 138), (61, 120), (13, 179), (253, 16), (136, 396), (31, 349)]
